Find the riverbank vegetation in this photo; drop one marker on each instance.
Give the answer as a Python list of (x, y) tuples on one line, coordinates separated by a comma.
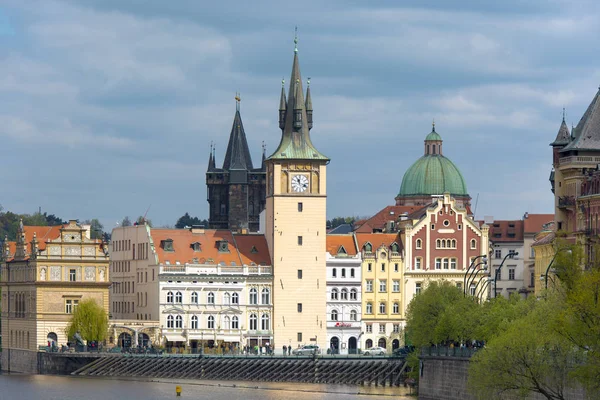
[(547, 345)]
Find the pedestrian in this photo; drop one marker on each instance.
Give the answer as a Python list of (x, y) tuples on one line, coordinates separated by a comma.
[(284, 349), (290, 350)]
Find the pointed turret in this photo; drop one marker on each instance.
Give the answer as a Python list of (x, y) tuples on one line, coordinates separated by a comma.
[(263, 167), (282, 106), (211, 159), (586, 135), (308, 105), (433, 142), (295, 140), (34, 246), (21, 248), (238, 153), (563, 137)]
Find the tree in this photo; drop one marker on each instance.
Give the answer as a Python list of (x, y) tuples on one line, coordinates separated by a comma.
[(126, 222), (187, 220), (529, 356), (141, 221), (90, 320), (337, 221), (96, 228)]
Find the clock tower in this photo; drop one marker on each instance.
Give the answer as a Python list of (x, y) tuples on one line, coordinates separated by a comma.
[(296, 223)]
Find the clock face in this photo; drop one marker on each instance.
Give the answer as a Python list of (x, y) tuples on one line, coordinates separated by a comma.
[(299, 183)]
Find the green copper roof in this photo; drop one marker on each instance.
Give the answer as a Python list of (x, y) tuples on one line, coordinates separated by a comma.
[(433, 136), (433, 174)]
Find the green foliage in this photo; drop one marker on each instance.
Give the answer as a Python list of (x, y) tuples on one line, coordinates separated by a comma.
[(126, 222), (187, 220), (141, 221), (337, 221), (9, 222), (90, 320), (527, 356)]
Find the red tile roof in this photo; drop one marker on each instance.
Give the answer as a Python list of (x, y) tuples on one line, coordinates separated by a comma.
[(534, 223), (43, 233), (378, 239), (334, 242), (506, 231), (389, 213), (242, 249)]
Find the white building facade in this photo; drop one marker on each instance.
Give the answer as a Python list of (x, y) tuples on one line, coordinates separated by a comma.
[(343, 295)]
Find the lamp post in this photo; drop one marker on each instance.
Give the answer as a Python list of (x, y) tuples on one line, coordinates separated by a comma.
[(545, 276), (483, 287), (511, 255), (472, 265), (474, 273), (485, 270)]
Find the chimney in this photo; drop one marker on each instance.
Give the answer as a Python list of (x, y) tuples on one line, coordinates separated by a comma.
[(526, 215)]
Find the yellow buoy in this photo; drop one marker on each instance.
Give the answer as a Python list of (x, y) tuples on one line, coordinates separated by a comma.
[(178, 390)]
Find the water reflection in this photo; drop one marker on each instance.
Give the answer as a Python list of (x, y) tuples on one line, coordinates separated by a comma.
[(81, 388)]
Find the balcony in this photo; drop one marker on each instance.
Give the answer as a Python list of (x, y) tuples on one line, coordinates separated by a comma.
[(579, 161), (566, 201)]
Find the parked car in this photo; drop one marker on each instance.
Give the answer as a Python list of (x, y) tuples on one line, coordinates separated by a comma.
[(307, 350), (375, 351), (401, 352)]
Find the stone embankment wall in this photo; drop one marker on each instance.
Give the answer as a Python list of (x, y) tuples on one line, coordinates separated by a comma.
[(445, 378), (33, 362)]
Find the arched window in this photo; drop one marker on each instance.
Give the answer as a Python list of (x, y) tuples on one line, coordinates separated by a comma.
[(194, 322), (419, 244), (396, 308), (368, 248), (353, 294), (227, 322), (253, 322), (210, 299), (226, 298), (194, 297), (334, 315), (179, 321), (211, 322), (334, 294), (235, 323), (170, 320), (382, 308), (253, 296), (353, 315), (178, 298), (443, 244), (449, 243), (265, 296), (334, 272), (235, 298), (169, 297), (453, 243), (368, 343), (369, 308), (344, 294), (473, 244), (265, 322)]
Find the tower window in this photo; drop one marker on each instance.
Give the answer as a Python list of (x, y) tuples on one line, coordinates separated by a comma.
[(299, 307), (299, 240), (299, 274), (300, 206)]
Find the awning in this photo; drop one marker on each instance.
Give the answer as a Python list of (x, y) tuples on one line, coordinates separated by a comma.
[(174, 337)]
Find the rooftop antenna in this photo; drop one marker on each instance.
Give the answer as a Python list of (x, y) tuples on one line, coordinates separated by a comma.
[(146, 213), (476, 201)]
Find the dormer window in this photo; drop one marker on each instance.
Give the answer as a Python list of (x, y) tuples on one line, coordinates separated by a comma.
[(253, 250), (223, 246), (342, 251), (167, 245), (368, 248), (395, 248), (196, 246)]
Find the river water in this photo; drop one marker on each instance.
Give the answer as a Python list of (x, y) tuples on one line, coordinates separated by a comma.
[(48, 387)]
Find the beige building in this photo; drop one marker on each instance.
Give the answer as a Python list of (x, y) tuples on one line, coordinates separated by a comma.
[(45, 274), (296, 224)]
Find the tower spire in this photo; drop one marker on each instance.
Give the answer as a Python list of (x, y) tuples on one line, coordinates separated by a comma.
[(296, 40), (238, 153), (282, 105), (211, 157), (308, 105)]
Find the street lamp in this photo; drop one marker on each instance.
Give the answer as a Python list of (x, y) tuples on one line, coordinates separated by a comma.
[(485, 270), (486, 284), (474, 273), (545, 276), (472, 265), (511, 255)]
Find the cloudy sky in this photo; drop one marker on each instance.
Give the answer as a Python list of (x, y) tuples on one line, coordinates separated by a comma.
[(109, 106)]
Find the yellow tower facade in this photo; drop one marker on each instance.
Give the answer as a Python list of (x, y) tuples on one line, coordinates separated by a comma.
[(296, 224)]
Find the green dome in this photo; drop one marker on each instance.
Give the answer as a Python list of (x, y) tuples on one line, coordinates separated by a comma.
[(434, 136), (433, 174)]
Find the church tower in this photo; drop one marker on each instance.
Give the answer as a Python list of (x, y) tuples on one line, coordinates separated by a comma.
[(235, 192), (295, 223)]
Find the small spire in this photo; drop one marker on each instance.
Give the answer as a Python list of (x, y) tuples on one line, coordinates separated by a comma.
[(296, 40), (433, 125), (563, 114), (308, 82), (238, 99)]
